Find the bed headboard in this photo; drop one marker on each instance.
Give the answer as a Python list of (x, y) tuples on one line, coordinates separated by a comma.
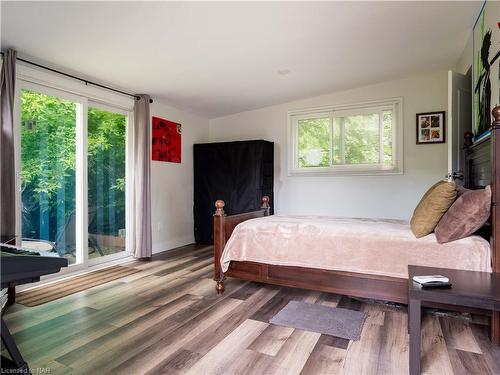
[(482, 168)]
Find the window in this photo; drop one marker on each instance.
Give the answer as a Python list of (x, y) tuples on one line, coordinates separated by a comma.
[(356, 139)]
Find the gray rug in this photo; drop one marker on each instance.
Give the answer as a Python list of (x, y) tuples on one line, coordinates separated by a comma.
[(332, 321)]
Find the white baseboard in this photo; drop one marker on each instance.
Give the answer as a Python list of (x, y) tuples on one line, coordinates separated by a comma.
[(172, 244)]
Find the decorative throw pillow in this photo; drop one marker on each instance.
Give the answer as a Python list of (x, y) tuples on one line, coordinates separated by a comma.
[(467, 215), (432, 207), (461, 190)]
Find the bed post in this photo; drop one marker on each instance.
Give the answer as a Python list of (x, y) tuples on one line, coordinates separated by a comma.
[(265, 205), (495, 188), (219, 243), (495, 212)]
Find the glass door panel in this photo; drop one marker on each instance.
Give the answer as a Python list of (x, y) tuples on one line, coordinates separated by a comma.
[(48, 173), (106, 182)]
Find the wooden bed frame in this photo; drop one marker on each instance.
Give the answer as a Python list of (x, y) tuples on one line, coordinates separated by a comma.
[(482, 167)]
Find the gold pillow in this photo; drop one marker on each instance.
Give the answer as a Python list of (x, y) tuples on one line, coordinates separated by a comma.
[(432, 207)]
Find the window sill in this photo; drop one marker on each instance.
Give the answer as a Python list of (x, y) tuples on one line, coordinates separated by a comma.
[(318, 172)]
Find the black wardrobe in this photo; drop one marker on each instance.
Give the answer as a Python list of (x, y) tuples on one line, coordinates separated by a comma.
[(239, 173)]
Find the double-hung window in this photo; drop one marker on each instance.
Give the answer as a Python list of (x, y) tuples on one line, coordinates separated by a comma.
[(350, 139)]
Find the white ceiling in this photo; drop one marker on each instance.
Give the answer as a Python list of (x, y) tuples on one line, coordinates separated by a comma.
[(220, 58)]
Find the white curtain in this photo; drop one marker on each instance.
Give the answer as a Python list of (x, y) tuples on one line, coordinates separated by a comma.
[(7, 167), (139, 234)]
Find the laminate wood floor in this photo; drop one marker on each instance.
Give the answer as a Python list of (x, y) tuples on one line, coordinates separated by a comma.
[(167, 319)]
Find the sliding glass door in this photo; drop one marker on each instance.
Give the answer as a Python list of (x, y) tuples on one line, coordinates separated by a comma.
[(106, 181), (72, 163), (48, 173)]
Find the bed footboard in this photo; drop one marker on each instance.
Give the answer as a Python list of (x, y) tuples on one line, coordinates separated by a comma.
[(223, 228)]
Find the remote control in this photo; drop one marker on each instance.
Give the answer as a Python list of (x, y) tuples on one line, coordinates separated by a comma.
[(431, 279)]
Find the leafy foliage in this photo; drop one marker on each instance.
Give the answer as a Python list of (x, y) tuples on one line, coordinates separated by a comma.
[(314, 142), (362, 139), (106, 171), (48, 142), (48, 150), (48, 164), (387, 122), (349, 140)]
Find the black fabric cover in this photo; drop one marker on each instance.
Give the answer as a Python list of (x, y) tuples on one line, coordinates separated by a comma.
[(239, 173)]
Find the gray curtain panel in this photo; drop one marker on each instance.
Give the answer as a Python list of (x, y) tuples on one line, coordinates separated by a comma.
[(7, 167), (139, 234)]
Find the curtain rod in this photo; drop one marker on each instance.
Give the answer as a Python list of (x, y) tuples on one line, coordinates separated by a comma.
[(87, 82)]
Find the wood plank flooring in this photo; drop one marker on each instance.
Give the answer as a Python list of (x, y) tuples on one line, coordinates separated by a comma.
[(167, 319), (48, 293)]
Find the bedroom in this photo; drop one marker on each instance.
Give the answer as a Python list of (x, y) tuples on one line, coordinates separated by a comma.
[(118, 129)]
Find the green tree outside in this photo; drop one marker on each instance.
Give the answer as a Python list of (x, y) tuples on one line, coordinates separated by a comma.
[(361, 143), (48, 167)]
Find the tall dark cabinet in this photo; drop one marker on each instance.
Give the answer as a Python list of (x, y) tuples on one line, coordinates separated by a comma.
[(239, 173)]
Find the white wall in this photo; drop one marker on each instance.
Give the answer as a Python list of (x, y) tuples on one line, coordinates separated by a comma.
[(364, 196), (172, 183), (465, 61)]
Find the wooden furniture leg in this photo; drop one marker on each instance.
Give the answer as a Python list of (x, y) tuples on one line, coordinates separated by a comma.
[(414, 316), (495, 328), (11, 295), (219, 243)]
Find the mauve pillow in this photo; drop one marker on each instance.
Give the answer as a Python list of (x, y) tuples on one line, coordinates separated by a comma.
[(461, 190), (467, 215)]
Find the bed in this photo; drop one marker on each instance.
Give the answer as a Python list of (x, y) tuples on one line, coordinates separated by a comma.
[(374, 246), (354, 279)]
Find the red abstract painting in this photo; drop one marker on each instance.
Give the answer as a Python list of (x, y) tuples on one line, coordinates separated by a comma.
[(166, 140)]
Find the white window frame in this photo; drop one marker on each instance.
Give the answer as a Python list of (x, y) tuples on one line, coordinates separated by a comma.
[(394, 104), (84, 96)]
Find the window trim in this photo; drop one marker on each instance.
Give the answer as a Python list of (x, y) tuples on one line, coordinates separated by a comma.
[(395, 104)]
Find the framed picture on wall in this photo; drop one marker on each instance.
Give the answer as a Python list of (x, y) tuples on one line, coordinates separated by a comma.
[(431, 127), (166, 140)]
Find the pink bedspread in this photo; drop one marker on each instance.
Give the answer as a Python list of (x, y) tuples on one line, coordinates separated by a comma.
[(375, 246)]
